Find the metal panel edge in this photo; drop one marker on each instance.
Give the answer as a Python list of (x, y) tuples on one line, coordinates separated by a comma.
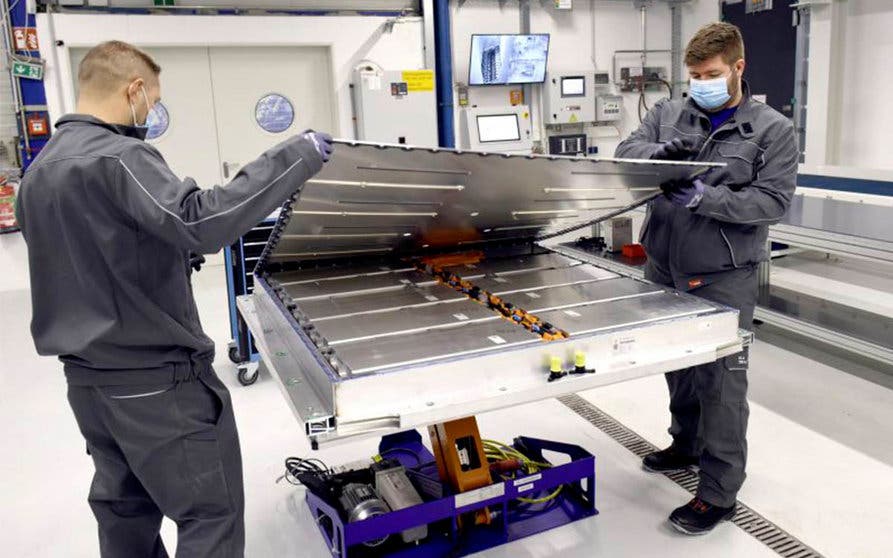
[(308, 388), (494, 391)]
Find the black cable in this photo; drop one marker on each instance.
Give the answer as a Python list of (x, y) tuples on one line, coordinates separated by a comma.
[(418, 458), (297, 465)]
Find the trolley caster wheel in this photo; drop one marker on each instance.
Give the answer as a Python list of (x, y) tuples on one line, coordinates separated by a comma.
[(248, 376), (234, 355)]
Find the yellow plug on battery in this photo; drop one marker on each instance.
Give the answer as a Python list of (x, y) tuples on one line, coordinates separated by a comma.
[(580, 364), (556, 368)]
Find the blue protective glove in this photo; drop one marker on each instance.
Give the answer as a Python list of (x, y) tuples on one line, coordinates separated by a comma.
[(323, 144), (677, 149), (684, 193)]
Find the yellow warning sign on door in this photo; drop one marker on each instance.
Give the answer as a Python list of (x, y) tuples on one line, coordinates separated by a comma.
[(573, 118), (419, 80)]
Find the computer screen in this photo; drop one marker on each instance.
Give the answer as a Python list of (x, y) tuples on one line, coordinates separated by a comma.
[(498, 127), (508, 59), (573, 86)]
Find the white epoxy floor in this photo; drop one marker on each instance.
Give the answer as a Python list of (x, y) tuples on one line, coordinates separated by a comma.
[(821, 457)]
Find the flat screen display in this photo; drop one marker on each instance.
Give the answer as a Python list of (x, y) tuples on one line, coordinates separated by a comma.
[(508, 59), (498, 127), (573, 86)]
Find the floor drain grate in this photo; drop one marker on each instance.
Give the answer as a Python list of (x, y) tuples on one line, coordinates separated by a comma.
[(779, 540)]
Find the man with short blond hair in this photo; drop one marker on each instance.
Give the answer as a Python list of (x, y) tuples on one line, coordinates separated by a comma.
[(110, 232), (707, 236)]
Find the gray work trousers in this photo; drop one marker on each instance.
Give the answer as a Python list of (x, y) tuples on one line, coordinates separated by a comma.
[(708, 403), (166, 449)]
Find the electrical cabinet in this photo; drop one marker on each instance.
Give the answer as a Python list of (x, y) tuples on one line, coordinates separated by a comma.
[(568, 98), (395, 106)]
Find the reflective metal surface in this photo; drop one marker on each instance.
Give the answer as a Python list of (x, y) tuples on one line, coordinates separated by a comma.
[(364, 357), (863, 325), (574, 295), (373, 199), (371, 327), (627, 312), (356, 284), (401, 297), (376, 346), (334, 271), (842, 217), (537, 279), (511, 265)]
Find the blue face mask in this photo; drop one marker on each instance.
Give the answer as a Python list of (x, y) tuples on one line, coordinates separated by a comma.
[(709, 94)]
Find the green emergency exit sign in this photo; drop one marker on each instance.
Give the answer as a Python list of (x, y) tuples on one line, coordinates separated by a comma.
[(27, 70)]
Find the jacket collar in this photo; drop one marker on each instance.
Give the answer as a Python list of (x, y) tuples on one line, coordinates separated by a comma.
[(743, 116), (86, 119)]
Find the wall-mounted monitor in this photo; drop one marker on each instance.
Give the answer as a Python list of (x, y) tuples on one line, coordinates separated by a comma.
[(508, 59), (498, 127)]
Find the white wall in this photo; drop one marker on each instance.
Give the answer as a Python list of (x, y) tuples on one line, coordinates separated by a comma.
[(866, 120), (351, 39), (617, 27)]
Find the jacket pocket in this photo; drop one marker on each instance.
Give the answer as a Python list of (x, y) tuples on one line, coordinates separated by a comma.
[(699, 246), (745, 244), (741, 159)]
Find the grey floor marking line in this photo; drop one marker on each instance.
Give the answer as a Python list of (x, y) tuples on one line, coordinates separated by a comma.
[(777, 539)]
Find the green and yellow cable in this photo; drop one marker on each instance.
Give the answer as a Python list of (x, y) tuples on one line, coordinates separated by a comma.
[(498, 451)]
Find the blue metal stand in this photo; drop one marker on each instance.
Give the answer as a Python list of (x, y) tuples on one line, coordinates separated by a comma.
[(513, 519)]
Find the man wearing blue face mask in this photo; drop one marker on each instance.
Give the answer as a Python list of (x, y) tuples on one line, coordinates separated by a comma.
[(707, 236), (110, 230)]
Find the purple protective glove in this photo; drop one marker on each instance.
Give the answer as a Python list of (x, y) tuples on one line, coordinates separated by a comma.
[(684, 193), (323, 144)]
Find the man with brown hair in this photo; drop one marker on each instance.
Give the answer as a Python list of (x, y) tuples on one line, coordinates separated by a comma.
[(707, 236), (110, 230)]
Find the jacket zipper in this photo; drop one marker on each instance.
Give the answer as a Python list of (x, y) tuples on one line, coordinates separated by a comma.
[(709, 139), (701, 152)]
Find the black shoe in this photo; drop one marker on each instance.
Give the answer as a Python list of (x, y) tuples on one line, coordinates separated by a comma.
[(698, 517), (668, 461)]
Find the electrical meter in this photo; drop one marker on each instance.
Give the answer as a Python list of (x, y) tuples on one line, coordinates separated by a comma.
[(608, 108)]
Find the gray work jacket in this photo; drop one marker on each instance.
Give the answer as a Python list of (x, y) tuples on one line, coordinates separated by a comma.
[(729, 228), (110, 229)]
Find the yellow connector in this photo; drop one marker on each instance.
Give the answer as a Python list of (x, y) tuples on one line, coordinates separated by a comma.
[(555, 364), (579, 359)]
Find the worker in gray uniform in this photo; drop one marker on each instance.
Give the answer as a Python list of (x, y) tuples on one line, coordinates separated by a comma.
[(707, 236), (110, 230)]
